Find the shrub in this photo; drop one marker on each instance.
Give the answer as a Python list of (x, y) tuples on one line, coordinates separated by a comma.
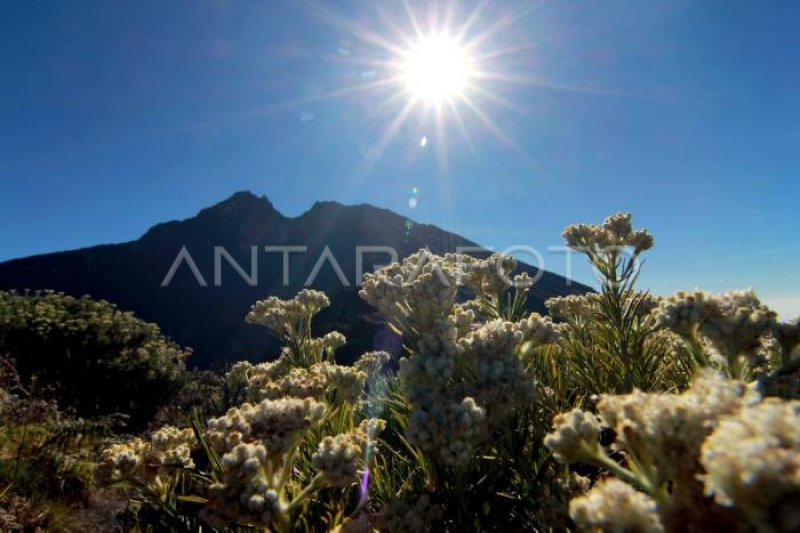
[(96, 358), (717, 455), (47, 458), (632, 413), (300, 447)]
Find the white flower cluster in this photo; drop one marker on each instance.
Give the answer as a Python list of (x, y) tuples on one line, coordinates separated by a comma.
[(327, 344), (276, 424), (415, 293), (122, 460), (752, 462), (613, 505), (446, 428), (575, 436), (500, 379), (371, 363), (339, 458), (278, 380), (297, 383), (572, 306), (409, 515), (492, 276), (539, 329), (734, 322), (616, 231), (259, 440), (462, 319), (346, 382), (431, 370), (245, 374), (457, 369), (669, 429), (684, 311), (282, 315), (489, 352), (719, 436), (168, 450), (243, 495), (290, 320)]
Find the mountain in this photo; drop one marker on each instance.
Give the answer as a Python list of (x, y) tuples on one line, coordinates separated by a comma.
[(210, 318)]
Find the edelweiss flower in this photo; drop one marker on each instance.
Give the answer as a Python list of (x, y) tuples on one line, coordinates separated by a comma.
[(490, 277), (668, 428), (411, 514), (752, 462), (445, 428), (733, 322), (372, 362), (275, 423), (243, 496), (575, 436), (339, 458), (572, 306), (168, 450), (613, 505), (615, 232), (283, 316)]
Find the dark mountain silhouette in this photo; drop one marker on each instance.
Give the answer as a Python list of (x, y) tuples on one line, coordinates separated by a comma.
[(211, 319)]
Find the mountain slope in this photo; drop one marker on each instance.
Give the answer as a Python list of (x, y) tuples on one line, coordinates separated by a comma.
[(211, 318)]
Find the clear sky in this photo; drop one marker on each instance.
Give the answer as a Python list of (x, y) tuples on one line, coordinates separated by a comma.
[(115, 116)]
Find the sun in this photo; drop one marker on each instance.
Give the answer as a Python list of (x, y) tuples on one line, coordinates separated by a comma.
[(436, 69), (433, 71)]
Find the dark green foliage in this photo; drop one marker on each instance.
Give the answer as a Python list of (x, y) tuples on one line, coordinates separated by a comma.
[(95, 358), (47, 459)]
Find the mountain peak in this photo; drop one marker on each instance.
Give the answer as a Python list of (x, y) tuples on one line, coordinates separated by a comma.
[(241, 209), (242, 203)]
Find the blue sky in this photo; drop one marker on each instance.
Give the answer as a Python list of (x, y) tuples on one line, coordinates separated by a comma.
[(117, 115)]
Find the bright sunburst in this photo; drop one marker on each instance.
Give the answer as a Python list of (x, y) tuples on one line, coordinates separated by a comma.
[(436, 69)]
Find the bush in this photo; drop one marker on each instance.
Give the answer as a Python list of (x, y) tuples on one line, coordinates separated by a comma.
[(296, 450), (47, 459), (95, 358), (633, 413)]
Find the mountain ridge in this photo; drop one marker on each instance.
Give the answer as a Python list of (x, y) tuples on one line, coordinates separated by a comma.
[(210, 319)]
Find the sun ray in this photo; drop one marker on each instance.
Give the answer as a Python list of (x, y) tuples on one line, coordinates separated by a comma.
[(495, 98), (503, 137), (377, 149), (501, 24), (489, 124), (461, 126), (441, 142), (329, 95), (473, 17), (496, 53), (581, 88), (449, 16), (412, 18), (329, 16)]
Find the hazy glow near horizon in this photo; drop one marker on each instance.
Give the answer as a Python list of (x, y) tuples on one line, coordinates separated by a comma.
[(436, 69)]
